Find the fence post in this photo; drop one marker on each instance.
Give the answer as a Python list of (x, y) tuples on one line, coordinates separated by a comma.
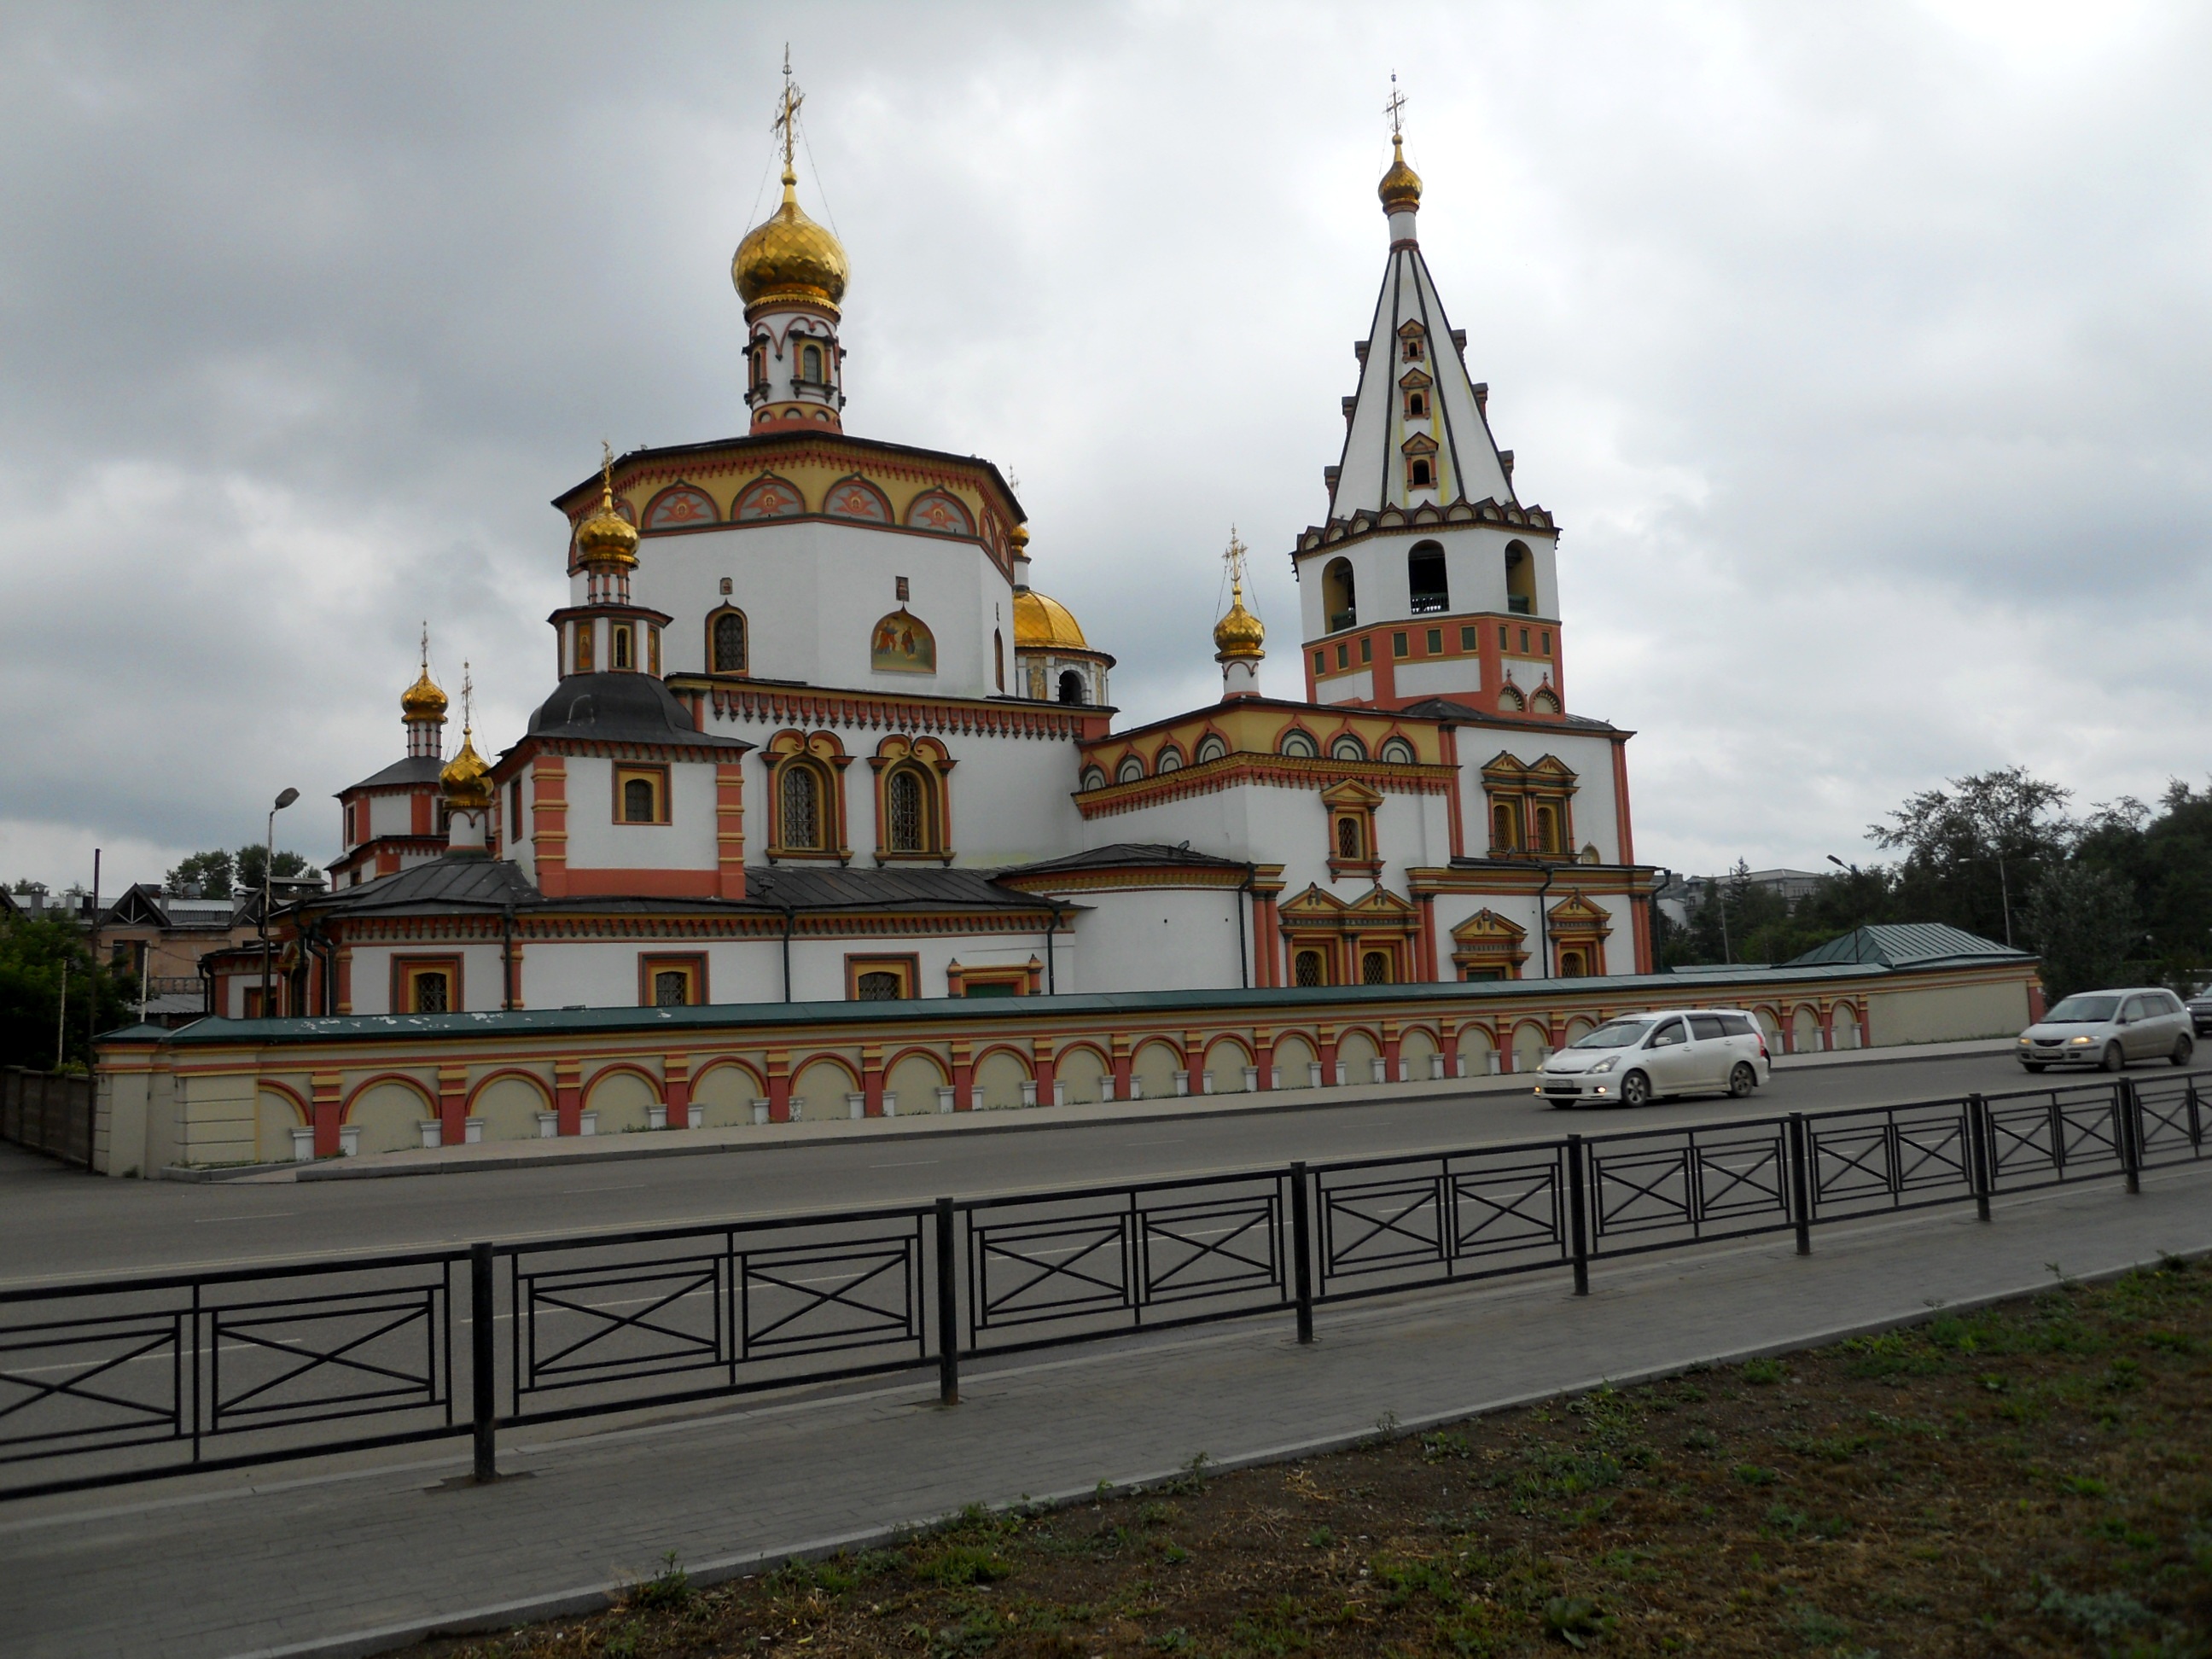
[(2196, 1122), (1800, 1185), (2131, 1126), (948, 1310), (481, 1400), (1302, 1251), (1979, 1174), (1579, 1231)]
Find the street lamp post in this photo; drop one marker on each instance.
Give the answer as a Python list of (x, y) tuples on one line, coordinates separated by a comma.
[(268, 859)]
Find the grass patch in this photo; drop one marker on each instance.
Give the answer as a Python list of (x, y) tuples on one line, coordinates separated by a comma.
[(2034, 1479)]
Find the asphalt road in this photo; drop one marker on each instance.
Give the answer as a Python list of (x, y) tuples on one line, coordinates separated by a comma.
[(58, 1222)]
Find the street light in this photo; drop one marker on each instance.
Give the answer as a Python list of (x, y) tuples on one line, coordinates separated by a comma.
[(268, 859)]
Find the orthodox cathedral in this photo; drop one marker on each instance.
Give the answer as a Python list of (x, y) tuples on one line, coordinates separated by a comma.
[(814, 735)]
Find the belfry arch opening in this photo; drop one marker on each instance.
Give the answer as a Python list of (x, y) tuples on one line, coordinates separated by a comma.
[(1070, 686), (1338, 597), (1426, 577), (1520, 580)]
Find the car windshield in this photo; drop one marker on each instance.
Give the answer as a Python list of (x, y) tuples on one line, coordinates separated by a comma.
[(1621, 1034), (2083, 1010)]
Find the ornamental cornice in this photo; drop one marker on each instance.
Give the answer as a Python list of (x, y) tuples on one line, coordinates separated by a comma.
[(780, 706), (1393, 518), (1274, 771)]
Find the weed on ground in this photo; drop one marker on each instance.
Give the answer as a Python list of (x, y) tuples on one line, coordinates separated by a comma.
[(2030, 1480)]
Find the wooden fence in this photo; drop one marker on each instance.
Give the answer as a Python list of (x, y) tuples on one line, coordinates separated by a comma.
[(47, 1113)]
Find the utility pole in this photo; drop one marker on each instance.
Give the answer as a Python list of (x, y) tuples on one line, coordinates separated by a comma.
[(61, 1021), (268, 859)]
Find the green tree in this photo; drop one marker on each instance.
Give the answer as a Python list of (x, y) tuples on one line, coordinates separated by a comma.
[(34, 954), (212, 872), (2082, 920), (1974, 850), (250, 860)]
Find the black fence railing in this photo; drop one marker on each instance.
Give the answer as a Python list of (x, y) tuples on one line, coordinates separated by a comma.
[(136, 1379)]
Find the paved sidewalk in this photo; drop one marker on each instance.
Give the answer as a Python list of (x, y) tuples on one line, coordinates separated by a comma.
[(681, 1143), (355, 1558)]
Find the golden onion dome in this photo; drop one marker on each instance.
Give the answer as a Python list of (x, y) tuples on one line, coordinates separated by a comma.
[(1240, 634), (788, 257), (1042, 624), (1019, 535), (423, 701), (466, 779), (1401, 189), (607, 538)]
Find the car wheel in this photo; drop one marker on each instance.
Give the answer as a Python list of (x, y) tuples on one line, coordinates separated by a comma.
[(2114, 1060), (2183, 1047), (1743, 1081), (2033, 1065), (1636, 1089)]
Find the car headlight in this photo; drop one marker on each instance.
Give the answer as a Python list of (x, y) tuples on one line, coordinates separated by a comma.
[(1606, 1065), (2080, 1042)]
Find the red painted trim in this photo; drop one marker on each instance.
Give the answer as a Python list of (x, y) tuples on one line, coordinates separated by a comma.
[(642, 884), (568, 1096)]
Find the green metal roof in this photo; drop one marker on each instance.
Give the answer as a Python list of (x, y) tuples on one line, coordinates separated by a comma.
[(1909, 944), (1279, 1003)]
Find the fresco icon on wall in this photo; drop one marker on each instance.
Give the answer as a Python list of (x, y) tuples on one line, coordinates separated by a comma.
[(902, 644)]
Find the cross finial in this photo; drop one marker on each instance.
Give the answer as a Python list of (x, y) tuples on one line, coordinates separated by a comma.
[(787, 115), (426, 646), (1394, 108), (468, 700), (1234, 558), (607, 473)]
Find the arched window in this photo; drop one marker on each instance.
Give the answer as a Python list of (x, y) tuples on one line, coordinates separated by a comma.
[(1546, 702), (1398, 752), (810, 360), (619, 652), (800, 800), (1509, 698), (1425, 578), (727, 643), (879, 988), (637, 801), (433, 993), (1299, 744), (672, 989), (1070, 686), (1129, 771), (1171, 760), (1520, 579), (1548, 830), (1093, 778), (1420, 472), (1349, 840), (1501, 828), (906, 806), (1307, 970), (1375, 968), (1338, 601), (1347, 747), (1416, 405), (998, 658), (1214, 749), (1573, 965)]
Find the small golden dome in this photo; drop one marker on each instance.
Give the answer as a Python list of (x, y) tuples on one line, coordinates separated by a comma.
[(423, 701), (466, 779), (1019, 535), (607, 538), (1401, 189), (1041, 624), (1240, 634), (788, 257)]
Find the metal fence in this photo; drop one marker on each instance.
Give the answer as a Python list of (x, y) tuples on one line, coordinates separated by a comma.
[(131, 1380), (49, 1112)]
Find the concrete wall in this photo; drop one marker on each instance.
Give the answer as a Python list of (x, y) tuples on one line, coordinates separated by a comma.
[(1948, 1012)]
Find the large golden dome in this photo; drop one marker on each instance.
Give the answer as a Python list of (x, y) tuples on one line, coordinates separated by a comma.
[(1041, 624), (1401, 189), (788, 257), (466, 779)]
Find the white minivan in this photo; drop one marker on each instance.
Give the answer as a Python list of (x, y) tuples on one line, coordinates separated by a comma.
[(1639, 1057)]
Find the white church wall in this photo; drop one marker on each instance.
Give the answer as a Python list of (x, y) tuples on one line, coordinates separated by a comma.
[(391, 815), (1436, 679), (1349, 688), (1157, 940), (370, 975), (599, 839)]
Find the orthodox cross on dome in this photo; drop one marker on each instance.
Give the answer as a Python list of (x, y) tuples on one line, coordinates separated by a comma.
[(1234, 558), (787, 114), (426, 647), (607, 469), (468, 701), (1392, 109)]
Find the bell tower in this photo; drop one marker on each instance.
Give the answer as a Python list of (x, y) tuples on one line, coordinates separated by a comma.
[(791, 274), (1430, 578)]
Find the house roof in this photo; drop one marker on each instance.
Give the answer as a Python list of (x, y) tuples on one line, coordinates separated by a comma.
[(1908, 944), (818, 887), (414, 769), (442, 884), (1126, 855), (622, 708), (1458, 714)]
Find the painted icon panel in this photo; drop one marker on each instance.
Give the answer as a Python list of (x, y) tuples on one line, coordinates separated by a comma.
[(902, 644)]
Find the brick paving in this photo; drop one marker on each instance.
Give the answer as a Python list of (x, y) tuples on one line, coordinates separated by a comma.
[(352, 1558)]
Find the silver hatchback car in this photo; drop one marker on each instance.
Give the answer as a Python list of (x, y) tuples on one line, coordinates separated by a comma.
[(2110, 1029), (1638, 1057)]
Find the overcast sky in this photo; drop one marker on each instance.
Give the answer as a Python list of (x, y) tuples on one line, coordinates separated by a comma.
[(1862, 352)]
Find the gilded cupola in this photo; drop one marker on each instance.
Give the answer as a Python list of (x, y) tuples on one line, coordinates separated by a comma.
[(607, 538), (466, 779), (787, 257), (1401, 189), (1240, 634)]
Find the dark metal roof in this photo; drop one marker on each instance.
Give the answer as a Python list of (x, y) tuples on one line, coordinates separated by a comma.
[(622, 708), (820, 887), (415, 768), (1908, 944), (1458, 714), (1125, 855), (447, 884)]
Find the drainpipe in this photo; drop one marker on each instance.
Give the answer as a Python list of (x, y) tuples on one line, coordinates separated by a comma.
[(1543, 930), (1051, 972), (787, 913), (207, 988), (1243, 952), (506, 958)]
